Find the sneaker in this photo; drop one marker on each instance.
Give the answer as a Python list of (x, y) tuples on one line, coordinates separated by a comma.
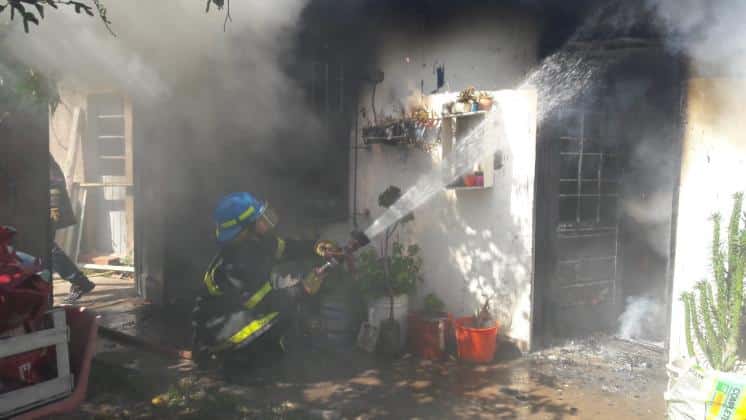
[(77, 291)]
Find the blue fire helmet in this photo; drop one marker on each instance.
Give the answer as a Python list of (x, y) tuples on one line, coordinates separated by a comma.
[(234, 213)]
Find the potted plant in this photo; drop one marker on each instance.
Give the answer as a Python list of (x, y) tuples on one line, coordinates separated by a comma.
[(485, 101), (433, 307), (476, 336), (470, 180), (712, 328), (387, 279), (467, 100), (479, 178), (428, 329)]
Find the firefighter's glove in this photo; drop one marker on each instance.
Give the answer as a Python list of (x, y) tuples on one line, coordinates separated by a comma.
[(54, 214)]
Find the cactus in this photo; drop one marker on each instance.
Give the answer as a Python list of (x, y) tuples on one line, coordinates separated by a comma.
[(714, 320)]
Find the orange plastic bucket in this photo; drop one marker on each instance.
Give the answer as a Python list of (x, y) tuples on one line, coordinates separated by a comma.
[(476, 345)]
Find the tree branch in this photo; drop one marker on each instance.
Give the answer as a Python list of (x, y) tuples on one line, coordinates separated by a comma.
[(228, 16), (17, 7)]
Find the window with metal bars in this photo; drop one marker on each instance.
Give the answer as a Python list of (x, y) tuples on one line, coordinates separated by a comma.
[(589, 178)]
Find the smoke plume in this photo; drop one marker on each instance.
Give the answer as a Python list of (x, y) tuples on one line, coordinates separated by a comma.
[(711, 32), (644, 318), (223, 84)]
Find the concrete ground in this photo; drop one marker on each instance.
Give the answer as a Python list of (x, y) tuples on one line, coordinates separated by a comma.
[(114, 294), (599, 377)]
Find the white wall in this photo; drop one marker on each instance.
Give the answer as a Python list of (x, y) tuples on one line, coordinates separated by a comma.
[(712, 168), (473, 242)]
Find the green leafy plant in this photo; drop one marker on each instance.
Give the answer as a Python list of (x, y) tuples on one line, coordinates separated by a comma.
[(405, 265), (32, 11), (713, 318), (469, 94), (397, 269), (433, 305)]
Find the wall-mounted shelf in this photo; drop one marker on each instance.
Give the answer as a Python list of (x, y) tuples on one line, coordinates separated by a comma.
[(455, 128), (466, 188), (465, 114)]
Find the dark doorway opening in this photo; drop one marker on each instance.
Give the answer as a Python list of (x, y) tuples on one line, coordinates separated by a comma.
[(606, 180)]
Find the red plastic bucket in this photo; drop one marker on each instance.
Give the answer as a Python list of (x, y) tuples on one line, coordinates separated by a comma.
[(476, 345), (427, 336)]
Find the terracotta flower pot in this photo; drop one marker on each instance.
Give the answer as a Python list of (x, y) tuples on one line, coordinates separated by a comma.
[(485, 104)]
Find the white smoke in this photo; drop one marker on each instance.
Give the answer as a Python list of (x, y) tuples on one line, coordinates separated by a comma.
[(710, 32), (166, 49), (654, 212), (644, 318), (220, 104)]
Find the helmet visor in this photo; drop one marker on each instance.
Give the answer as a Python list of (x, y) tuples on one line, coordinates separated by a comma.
[(267, 220)]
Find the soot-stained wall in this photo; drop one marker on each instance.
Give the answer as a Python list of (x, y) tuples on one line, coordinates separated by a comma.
[(24, 178), (713, 161)]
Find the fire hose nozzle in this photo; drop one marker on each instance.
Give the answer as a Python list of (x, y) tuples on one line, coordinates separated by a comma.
[(357, 241)]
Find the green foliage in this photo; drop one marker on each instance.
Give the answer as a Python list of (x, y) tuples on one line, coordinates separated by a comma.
[(23, 89), (387, 198), (714, 320), (390, 196), (397, 270), (218, 3), (433, 304), (33, 11), (405, 265)]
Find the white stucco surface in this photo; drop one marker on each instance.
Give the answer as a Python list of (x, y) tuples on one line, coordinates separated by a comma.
[(712, 168), (479, 242)]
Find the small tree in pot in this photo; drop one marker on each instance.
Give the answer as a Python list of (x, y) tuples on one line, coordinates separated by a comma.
[(395, 272)]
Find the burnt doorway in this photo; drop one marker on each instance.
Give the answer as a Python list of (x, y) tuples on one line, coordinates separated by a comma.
[(607, 176), (583, 281), (92, 142)]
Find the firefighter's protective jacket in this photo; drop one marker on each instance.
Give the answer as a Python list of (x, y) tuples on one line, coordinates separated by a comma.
[(239, 279)]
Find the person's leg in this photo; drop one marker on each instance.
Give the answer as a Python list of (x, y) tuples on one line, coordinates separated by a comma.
[(258, 359), (62, 265), (203, 337)]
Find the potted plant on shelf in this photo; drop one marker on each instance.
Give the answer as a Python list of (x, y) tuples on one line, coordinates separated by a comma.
[(479, 177), (467, 99), (470, 180), (387, 279), (485, 101)]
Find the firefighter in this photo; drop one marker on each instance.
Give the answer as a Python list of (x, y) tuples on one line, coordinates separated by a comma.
[(61, 216), (241, 307)]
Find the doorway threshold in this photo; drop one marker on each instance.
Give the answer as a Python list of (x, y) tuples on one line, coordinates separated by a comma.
[(658, 346)]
